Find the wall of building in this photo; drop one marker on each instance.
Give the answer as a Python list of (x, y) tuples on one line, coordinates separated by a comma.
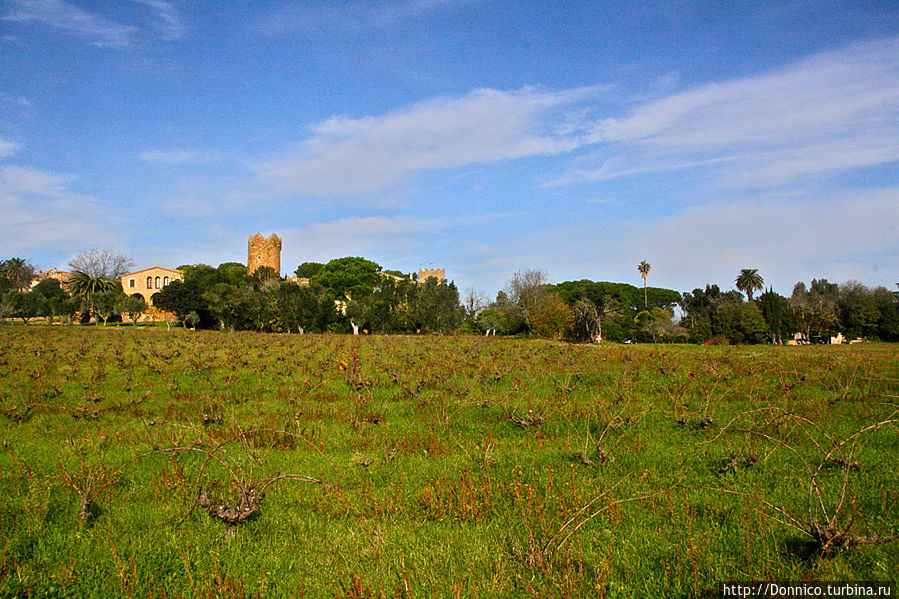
[(149, 281)]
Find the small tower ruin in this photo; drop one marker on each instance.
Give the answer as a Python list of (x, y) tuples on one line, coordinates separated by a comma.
[(264, 252)]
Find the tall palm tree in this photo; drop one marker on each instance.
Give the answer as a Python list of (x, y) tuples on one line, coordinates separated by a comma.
[(749, 280), (643, 269)]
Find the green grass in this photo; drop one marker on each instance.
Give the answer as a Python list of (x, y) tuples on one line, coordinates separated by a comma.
[(451, 464)]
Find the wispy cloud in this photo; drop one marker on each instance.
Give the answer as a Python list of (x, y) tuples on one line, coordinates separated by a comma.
[(178, 157), (63, 16), (40, 209), (829, 113), (168, 21), (7, 148), (95, 28), (350, 155), (350, 16), (352, 236), (788, 236), (784, 237), (395, 11)]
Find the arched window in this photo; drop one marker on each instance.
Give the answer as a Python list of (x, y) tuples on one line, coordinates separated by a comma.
[(149, 282), (158, 286), (165, 281)]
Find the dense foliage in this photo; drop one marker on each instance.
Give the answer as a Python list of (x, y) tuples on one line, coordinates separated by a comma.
[(817, 312), (346, 294)]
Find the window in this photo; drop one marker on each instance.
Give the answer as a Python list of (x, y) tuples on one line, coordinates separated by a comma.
[(165, 281), (130, 282), (158, 286), (149, 282)]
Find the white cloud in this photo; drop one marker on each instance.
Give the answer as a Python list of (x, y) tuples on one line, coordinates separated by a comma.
[(40, 210), (168, 21), (67, 17), (350, 16), (7, 148), (410, 9), (351, 155), (96, 28), (788, 236), (173, 157), (832, 112)]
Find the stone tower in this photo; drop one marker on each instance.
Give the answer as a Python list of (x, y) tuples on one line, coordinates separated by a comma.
[(264, 252), (437, 273)]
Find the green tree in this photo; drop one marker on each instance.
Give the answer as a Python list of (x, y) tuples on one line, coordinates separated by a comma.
[(183, 297), (858, 310), (887, 304), (748, 281), (22, 304), (298, 308), (88, 288), (776, 312), (106, 303), (742, 322), (434, 306), (549, 315), (17, 274), (132, 305), (265, 276), (54, 296), (493, 320), (643, 269), (307, 270), (350, 277)]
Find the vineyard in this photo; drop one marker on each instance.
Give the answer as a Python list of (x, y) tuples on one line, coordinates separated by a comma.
[(141, 462)]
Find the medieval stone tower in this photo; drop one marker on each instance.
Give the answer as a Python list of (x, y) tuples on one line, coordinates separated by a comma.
[(264, 252), (437, 273)]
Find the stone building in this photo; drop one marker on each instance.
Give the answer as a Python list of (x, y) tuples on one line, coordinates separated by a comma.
[(60, 275), (149, 281), (264, 252), (437, 273)]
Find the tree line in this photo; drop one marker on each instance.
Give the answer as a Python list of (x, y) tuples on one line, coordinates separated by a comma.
[(349, 294), (353, 294)]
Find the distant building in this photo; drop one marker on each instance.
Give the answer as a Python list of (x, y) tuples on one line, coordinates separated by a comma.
[(264, 252), (60, 275), (149, 281), (301, 281), (425, 273)]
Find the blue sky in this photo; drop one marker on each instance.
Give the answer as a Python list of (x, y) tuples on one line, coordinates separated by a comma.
[(482, 136)]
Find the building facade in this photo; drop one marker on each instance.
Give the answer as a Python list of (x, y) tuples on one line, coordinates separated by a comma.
[(149, 281)]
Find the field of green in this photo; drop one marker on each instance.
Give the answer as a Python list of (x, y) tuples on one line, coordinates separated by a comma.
[(140, 462)]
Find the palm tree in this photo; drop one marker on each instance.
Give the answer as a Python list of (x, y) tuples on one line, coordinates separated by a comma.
[(643, 269), (85, 286), (18, 272), (749, 280)]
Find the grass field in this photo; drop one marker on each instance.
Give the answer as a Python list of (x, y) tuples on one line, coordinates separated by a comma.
[(142, 463)]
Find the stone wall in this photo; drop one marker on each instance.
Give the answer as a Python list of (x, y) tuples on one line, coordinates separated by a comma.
[(437, 273), (264, 252), (149, 281)]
